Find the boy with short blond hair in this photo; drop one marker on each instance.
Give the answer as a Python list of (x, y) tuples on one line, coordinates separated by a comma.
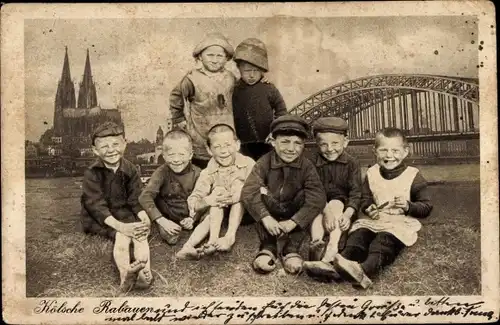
[(283, 194), (218, 189), (111, 188), (394, 197), (165, 196), (341, 177)]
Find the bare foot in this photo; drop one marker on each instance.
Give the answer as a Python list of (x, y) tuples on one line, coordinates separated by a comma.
[(144, 279), (225, 243), (209, 248), (131, 275), (188, 252)]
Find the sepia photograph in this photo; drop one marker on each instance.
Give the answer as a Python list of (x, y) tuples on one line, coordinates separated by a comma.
[(250, 153)]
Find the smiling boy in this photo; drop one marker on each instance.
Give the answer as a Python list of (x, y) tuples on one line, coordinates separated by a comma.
[(111, 188), (165, 196), (394, 197), (283, 194)]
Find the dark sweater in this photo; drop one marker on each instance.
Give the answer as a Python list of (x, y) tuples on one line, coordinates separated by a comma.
[(167, 192), (283, 181), (420, 204), (107, 193), (254, 108)]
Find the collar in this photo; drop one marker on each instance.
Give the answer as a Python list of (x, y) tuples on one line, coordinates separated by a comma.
[(393, 173), (321, 161), (209, 73), (277, 162), (240, 161), (123, 166)]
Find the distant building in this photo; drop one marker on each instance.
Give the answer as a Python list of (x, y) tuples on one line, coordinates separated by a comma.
[(75, 120), (30, 150), (155, 157)]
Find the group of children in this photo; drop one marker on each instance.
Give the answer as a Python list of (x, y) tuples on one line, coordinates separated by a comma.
[(234, 152)]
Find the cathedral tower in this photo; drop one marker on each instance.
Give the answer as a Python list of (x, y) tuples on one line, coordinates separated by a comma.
[(87, 96), (65, 97), (159, 136)]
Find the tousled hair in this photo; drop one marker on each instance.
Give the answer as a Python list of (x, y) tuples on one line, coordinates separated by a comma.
[(390, 133), (219, 128), (178, 134)]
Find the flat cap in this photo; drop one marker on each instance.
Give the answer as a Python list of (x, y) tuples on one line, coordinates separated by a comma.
[(330, 124), (290, 123), (214, 39), (107, 129)]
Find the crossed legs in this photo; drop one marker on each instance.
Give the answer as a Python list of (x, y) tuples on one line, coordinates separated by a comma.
[(139, 270)]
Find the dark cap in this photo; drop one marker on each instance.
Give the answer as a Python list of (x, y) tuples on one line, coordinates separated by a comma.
[(330, 124), (290, 123), (107, 129)]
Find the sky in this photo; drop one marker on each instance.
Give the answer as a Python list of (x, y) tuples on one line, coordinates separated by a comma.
[(136, 62)]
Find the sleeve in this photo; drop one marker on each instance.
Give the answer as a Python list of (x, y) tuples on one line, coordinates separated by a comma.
[(237, 195), (150, 192), (315, 198), (366, 196), (420, 205), (134, 191), (201, 189), (250, 194), (278, 103), (354, 199), (93, 199), (184, 90)]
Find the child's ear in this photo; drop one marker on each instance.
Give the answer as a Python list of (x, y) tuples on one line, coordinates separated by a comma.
[(94, 150), (208, 149), (346, 141), (238, 145), (406, 151)]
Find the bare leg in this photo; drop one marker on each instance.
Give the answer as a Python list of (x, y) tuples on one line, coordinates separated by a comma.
[(216, 216), (317, 229), (197, 236), (334, 209), (235, 215), (121, 254), (141, 253)]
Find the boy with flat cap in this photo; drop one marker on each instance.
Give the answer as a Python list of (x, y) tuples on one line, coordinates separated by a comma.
[(110, 206), (341, 177), (283, 193)]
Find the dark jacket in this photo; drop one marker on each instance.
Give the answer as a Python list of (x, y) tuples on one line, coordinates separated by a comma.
[(167, 192), (107, 193), (254, 108), (341, 179), (274, 185)]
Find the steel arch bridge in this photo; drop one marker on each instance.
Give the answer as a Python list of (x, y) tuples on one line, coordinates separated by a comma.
[(440, 114)]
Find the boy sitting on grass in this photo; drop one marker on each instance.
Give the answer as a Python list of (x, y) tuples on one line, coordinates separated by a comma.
[(394, 196), (283, 194), (165, 196), (111, 188), (217, 189), (341, 177)]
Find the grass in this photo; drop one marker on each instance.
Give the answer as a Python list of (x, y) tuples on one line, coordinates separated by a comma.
[(63, 262)]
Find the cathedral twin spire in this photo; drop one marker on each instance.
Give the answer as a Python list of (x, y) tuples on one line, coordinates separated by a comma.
[(87, 95)]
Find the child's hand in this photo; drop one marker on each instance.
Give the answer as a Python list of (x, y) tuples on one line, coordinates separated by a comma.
[(400, 202), (329, 222), (271, 225), (133, 230), (265, 80), (143, 216), (187, 223), (287, 226), (372, 212), (169, 226)]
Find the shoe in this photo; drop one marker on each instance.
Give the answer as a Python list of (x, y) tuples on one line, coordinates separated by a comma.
[(320, 269), (354, 270)]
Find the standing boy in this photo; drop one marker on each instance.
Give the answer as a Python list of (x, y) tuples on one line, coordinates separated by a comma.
[(255, 104), (283, 194), (165, 196), (203, 98), (111, 188), (218, 189), (341, 177), (394, 197)]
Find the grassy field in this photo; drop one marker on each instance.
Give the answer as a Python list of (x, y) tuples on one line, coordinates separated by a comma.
[(62, 262)]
